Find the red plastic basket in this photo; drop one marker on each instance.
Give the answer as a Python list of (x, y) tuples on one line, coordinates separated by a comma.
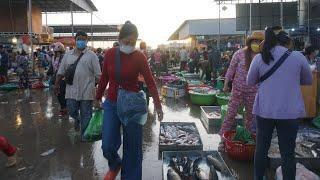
[(237, 150)]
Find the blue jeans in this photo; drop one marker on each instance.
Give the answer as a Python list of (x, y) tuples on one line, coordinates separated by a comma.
[(131, 163), (287, 132), (85, 108)]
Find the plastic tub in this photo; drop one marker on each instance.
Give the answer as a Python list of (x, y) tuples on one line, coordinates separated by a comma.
[(8, 87), (205, 98), (237, 150), (223, 98)]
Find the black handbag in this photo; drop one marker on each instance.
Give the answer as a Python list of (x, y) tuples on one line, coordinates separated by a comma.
[(69, 74)]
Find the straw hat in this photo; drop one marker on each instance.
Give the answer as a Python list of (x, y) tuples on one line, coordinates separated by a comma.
[(256, 35), (58, 46)]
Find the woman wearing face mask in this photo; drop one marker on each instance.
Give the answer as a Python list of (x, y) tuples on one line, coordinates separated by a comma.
[(59, 50), (123, 82), (241, 93), (279, 103)]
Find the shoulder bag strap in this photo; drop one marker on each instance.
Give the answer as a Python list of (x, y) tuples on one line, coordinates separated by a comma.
[(77, 61), (118, 66), (275, 66)]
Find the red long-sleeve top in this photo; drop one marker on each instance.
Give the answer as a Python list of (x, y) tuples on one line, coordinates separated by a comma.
[(131, 66)]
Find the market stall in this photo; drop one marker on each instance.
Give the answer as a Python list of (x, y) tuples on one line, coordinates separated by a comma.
[(310, 94)]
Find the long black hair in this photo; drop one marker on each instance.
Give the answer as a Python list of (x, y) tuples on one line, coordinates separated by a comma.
[(270, 41)]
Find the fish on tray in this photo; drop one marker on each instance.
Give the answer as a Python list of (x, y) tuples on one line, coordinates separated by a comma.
[(185, 169), (214, 115), (216, 164), (173, 175), (213, 174), (199, 173), (178, 135)]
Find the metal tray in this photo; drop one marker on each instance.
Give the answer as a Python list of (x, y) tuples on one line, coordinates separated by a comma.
[(213, 124), (307, 159), (193, 155), (176, 147)]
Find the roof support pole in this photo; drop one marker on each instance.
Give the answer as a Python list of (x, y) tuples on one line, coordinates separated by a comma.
[(91, 31), (308, 38), (250, 18), (30, 32), (281, 13), (71, 10), (219, 28)]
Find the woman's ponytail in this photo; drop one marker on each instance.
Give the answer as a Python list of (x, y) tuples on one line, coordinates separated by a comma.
[(270, 42)]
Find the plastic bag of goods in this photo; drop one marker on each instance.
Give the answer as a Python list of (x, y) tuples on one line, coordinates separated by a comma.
[(93, 131), (243, 135), (302, 173)]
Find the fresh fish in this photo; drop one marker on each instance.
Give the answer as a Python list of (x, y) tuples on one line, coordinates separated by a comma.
[(182, 136), (217, 164), (195, 164), (186, 165), (213, 174), (173, 175), (200, 174), (174, 164)]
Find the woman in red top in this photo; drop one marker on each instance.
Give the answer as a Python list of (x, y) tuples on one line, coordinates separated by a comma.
[(133, 63)]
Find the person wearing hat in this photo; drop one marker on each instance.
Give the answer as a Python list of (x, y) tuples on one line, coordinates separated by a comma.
[(80, 89), (59, 50), (241, 93)]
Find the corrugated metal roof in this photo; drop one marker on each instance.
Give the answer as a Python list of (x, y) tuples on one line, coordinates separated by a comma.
[(57, 5), (202, 27)]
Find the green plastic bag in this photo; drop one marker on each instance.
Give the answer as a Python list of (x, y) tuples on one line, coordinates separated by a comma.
[(223, 110), (316, 122), (243, 135), (93, 131)]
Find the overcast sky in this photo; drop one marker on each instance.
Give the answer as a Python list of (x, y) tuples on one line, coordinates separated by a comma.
[(156, 19)]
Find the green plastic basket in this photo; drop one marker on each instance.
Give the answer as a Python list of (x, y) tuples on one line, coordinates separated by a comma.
[(202, 99), (8, 87), (223, 98)]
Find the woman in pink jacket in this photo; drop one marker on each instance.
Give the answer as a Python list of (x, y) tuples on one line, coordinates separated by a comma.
[(241, 93)]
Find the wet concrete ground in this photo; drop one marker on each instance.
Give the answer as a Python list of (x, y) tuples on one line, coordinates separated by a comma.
[(29, 119)]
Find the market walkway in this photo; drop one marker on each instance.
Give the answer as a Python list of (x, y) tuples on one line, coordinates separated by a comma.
[(29, 120)]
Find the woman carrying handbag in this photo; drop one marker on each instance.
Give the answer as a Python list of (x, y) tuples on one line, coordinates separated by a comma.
[(125, 105)]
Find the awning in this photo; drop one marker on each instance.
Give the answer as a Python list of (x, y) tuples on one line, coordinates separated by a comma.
[(58, 5)]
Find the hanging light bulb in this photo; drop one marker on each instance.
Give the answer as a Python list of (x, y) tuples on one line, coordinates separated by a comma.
[(14, 40)]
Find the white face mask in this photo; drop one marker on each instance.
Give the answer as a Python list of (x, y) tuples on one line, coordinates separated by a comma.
[(127, 49)]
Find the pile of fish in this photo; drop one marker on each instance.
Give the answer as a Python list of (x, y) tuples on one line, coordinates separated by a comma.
[(214, 115), (307, 145), (179, 135), (185, 169)]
